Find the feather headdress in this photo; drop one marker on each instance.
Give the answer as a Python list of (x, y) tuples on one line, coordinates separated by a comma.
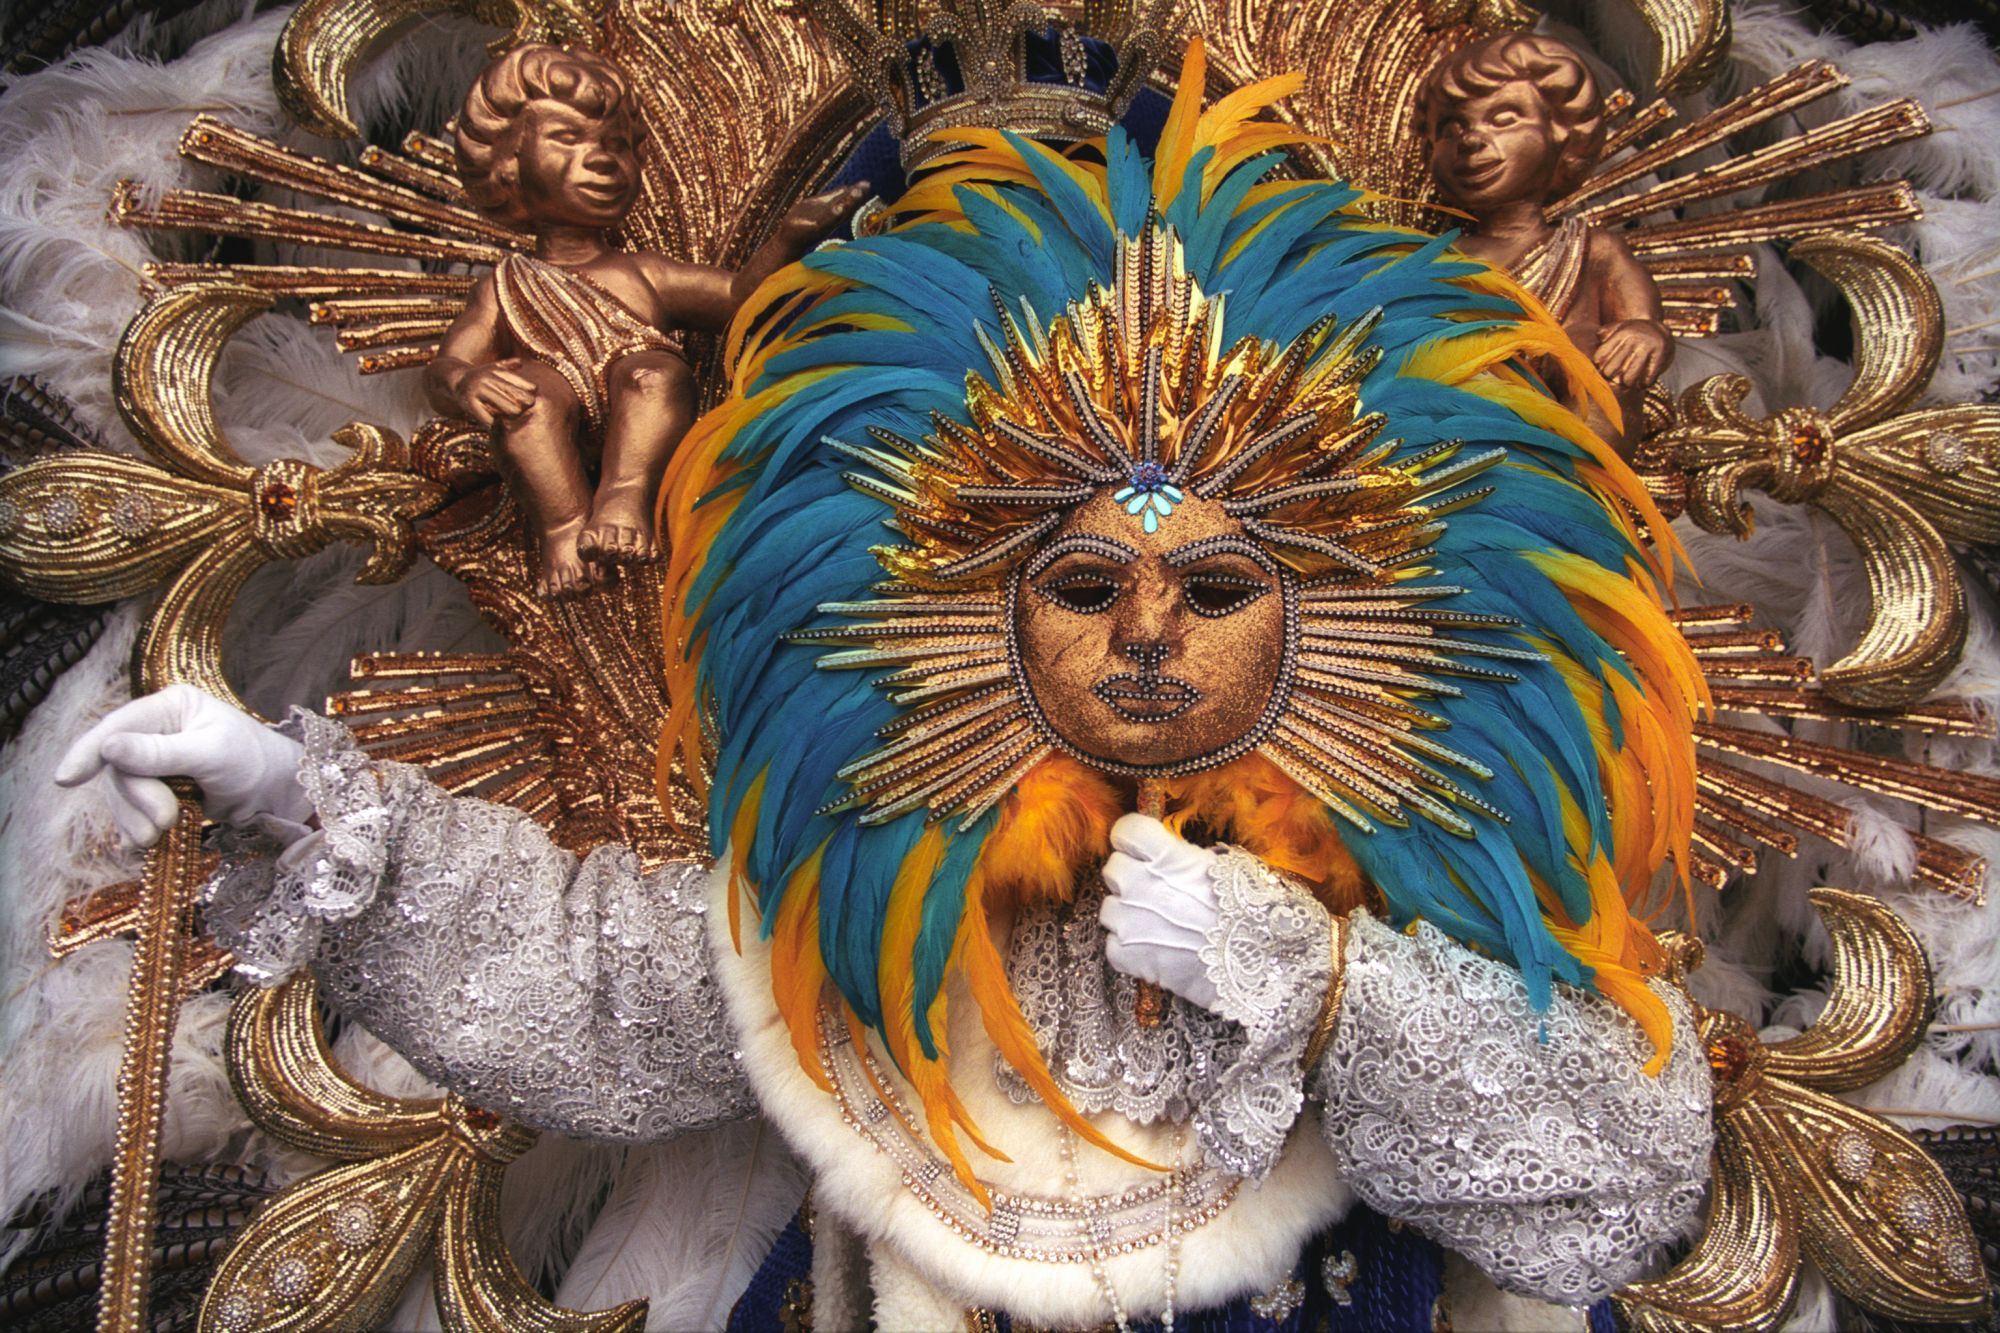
[(1037, 326)]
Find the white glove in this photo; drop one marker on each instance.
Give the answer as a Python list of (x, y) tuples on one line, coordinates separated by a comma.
[(1160, 908), (246, 771)]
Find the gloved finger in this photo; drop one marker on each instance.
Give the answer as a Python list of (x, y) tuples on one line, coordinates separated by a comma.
[(1130, 923), (161, 711), (1123, 874), (155, 756), (1133, 962), (1143, 837), (153, 799), (136, 827)]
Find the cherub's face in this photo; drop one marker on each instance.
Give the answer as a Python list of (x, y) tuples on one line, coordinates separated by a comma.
[(1494, 149), (1150, 650), (576, 169)]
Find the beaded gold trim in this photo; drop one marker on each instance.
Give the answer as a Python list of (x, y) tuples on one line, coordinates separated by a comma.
[(1035, 1227)]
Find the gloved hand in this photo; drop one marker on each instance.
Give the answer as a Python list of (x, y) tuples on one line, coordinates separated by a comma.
[(244, 768), (1160, 908)]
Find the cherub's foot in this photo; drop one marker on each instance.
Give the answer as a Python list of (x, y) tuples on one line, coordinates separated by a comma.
[(620, 531), (564, 571)]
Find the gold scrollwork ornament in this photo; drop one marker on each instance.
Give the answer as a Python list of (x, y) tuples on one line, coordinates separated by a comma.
[(1799, 1173), (95, 527), (1900, 483), (419, 1179)]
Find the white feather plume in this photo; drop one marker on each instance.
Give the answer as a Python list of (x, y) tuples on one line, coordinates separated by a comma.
[(687, 1226)]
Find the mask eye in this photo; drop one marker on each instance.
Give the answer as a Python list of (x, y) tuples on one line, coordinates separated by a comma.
[(1221, 594), (1085, 594)]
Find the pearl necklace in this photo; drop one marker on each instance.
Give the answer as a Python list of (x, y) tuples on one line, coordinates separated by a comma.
[(1170, 1233)]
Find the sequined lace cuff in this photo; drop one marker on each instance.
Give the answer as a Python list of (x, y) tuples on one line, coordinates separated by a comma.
[(1270, 957), (1534, 1144), (268, 902)]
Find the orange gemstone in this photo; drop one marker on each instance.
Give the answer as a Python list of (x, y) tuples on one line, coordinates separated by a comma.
[(481, 1119), (1809, 444), (1728, 1055), (279, 502)]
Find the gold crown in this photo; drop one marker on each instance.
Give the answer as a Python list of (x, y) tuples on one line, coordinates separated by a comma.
[(990, 43)]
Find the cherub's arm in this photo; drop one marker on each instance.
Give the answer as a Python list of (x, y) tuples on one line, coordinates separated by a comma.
[(468, 377), (1634, 346), (573, 995), (699, 296)]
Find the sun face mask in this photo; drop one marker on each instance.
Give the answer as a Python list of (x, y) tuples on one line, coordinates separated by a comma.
[(1157, 555)]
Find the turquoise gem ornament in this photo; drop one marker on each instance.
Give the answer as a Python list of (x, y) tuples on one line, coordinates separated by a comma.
[(1149, 495)]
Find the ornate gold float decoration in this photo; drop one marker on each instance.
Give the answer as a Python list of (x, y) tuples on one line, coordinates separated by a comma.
[(1901, 483), (90, 527), (324, 41), (419, 1182), (744, 107), (1799, 1173)]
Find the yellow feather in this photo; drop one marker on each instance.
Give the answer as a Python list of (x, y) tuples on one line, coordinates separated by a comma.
[(1177, 137)]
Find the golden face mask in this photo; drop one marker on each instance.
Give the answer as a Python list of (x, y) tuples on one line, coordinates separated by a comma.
[(1152, 651), (1156, 555)]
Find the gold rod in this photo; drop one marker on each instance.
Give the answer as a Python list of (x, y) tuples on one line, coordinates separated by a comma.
[(1958, 793), (1726, 613), (240, 152), (307, 281), (400, 358), (413, 174), (1149, 1005), (152, 1008), (1864, 131), (1795, 88), (1858, 209)]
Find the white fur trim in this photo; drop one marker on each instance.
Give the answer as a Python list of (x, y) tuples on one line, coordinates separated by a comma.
[(1247, 1249)]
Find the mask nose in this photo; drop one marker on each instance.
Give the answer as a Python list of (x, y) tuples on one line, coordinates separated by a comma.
[(1150, 656)]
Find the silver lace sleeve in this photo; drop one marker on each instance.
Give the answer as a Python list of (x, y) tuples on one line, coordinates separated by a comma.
[(574, 996), (1534, 1144), (1270, 957)]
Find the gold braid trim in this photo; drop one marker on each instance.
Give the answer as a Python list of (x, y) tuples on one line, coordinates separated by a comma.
[(1329, 1012)]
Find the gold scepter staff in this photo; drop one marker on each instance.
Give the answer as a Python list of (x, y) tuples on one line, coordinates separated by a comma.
[(152, 1010), (1149, 1007)]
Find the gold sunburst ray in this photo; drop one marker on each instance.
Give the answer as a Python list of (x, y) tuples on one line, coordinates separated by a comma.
[(1397, 729)]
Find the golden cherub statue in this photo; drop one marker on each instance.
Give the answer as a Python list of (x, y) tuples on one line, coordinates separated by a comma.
[(1515, 123), (571, 354)]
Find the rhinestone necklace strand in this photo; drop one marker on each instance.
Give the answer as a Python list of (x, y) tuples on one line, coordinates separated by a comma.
[(1169, 1235)]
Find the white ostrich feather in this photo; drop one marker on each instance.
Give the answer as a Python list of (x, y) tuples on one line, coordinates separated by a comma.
[(687, 1226)]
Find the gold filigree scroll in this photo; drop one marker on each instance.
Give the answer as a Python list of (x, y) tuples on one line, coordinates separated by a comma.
[(419, 1180), (1901, 483), (89, 527), (92, 527), (325, 40), (1800, 1173)]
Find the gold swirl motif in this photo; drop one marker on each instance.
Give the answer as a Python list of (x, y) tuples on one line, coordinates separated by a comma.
[(93, 527), (1799, 1173), (1901, 484), (419, 1180), (325, 40), (1694, 40), (96, 527)]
